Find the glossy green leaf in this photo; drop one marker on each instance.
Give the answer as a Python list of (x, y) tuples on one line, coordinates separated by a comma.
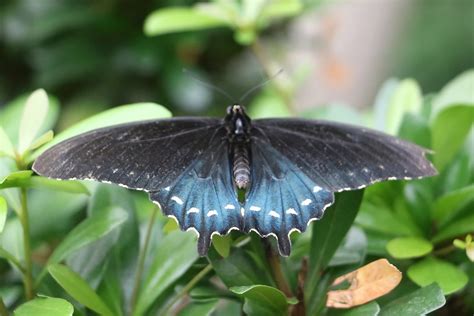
[(32, 119), (178, 19), (3, 212), (89, 230), (449, 131), (174, 255), (328, 233), (281, 9), (205, 308), (43, 139), (263, 300), (409, 247), (449, 277), (222, 244), (11, 114), (117, 115), (457, 91), (445, 207), (15, 179), (70, 186), (6, 146), (369, 309), (45, 306), (352, 250), (238, 269), (458, 227), (75, 286), (406, 98), (420, 302)]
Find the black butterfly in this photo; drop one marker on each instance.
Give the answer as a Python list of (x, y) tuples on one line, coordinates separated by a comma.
[(193, 167)]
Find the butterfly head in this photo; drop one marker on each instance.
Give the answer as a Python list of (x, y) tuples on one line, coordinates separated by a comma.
[(238, 123)]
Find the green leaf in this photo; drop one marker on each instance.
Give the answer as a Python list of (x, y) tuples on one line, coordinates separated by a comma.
[(23, 181), (117, 115), (174, 256), (32, 119), (75, 286), (409, 247), (457, 91), (352, 250), (407, 98), (369, 309), (88, 231), (449, 131), (15, 179), (43, 139), (238, 269), (178, 19), (328, 233), (420, 302), (6, 146), (45, 306), (3, 212), (281, 9), (263, 300), (449, 277), (461, 226), (205, 308), (445, 207), (222, 244)]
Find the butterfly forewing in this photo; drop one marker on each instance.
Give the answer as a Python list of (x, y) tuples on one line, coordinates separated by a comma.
[(342, 157)]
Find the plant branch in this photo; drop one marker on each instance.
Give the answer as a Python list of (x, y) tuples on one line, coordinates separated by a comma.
[(141, 260), (25, 223), (3, 308), (187, 288), (275, 264)]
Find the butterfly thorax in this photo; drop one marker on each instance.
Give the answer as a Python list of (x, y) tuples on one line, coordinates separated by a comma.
[(238, 134)]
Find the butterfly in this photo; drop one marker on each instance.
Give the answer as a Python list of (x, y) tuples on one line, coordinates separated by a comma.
[(193, 168)]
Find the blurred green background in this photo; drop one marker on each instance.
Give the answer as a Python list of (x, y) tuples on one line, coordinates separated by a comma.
[(94, 54)]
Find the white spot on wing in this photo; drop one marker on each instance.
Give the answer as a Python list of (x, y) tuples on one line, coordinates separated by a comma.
[(229, 207), (167, 188), (317, 188), (242, 211), (306, 202), (193, 210), (291, 211), (211, 213), (177, 199), (273, 214), (365, 170), (381, 167), (255, 208)]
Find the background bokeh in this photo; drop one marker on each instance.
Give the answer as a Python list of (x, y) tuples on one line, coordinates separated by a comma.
[(93, 54)]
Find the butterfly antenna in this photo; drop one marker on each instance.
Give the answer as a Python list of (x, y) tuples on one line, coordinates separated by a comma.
[(209, 85), (261, 84)]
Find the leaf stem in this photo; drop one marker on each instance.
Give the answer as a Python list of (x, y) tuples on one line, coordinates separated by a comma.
[(25, 222), (187, 288), (3, 308), (275, 264), (141, 260), (259, 51)]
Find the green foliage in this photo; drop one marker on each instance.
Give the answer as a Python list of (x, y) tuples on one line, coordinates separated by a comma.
[(45, 306)]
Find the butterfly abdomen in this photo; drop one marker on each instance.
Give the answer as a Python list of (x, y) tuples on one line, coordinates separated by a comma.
[(241, 166)]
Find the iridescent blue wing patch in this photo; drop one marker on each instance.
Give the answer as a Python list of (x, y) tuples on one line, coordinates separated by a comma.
[(282, 198), (202, 198)]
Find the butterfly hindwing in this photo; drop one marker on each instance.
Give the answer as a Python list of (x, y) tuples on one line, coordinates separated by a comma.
[(203, 198), (342, 157), (283, 198)]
